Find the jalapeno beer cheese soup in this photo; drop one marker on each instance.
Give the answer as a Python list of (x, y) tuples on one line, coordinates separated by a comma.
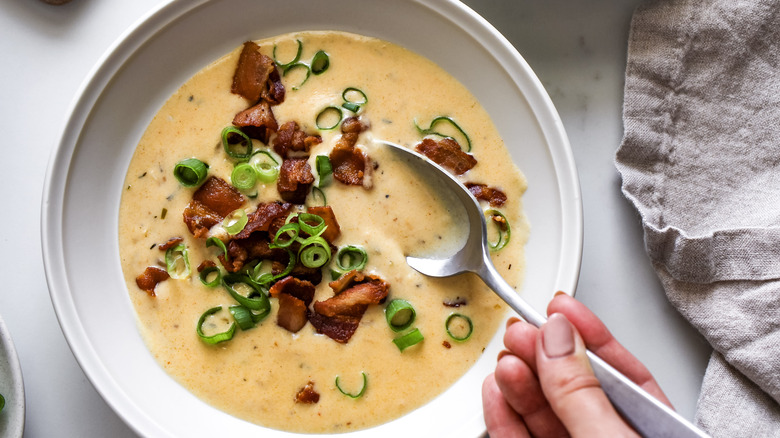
[(263, 234)]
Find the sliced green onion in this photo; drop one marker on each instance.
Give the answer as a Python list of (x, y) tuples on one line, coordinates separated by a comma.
[(291, 230), (254, 299), (214, 241), (2, 402), (190, 172), (290, 265), (177, 262), (314, 252), (205, 273), (459, 317), (296, 59), (318, 197), (216, 338), (354, 98), (409, 339), (259, 276), (320, 62), (235, 222), (305, 222), (242, 316), (362, 389), (355, 258), (329, 118), (504, 230), (244, 176), (446, 120), (298, 66), (399, 315), (228, 134), (266, 166), (324, 170)]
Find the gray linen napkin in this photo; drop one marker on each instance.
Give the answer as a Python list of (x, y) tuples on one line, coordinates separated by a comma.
[(700, 160)]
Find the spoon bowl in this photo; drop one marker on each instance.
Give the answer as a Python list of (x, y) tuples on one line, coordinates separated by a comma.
[(646, 414)]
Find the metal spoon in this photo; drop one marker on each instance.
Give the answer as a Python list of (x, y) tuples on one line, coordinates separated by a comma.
[(646, 414)]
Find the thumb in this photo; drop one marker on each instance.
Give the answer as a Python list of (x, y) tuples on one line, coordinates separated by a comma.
[(569, 385)]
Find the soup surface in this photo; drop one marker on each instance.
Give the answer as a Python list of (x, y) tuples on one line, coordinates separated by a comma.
[(258, 373)]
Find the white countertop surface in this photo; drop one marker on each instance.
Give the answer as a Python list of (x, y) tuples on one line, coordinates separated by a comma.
[(577, 49)]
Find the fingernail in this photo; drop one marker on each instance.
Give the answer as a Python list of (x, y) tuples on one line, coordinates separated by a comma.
[(560, 292), (501, 354), (557, 336), (511, 321)]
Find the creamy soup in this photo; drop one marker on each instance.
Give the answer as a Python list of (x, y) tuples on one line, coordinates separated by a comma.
[(257, 374)]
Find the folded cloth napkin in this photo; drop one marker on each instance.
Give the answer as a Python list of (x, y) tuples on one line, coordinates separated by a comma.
[(700, 161)]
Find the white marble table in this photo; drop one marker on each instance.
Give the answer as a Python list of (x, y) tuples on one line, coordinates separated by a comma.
[(577, 49)]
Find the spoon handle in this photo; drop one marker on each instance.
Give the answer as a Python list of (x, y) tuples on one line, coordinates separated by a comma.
[(645, 413)]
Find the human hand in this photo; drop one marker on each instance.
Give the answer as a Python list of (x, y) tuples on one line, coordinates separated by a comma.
[(543, 385)]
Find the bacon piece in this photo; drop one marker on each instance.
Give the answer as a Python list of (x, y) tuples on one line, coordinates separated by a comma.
[(290, 138), (173, 241), (149, 279), (299, 271), (494, 196), (206, 264), (263, 217), (307, 394), (213, 200), (353, 301), (301, 289), (292, 313), (253, 247), (448, 154), (326, 213), (257, 121), (256, 76), (339, 328), (295, 180), (457, 302), (350, 165)]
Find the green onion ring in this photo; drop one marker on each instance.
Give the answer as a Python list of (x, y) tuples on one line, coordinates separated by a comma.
[(214, 241), (244, 176), (266, 171), (256, 300), (353, 105), (356, 258), (458, 316), (190, 172), (219, 337), (399, 315), (314, 252), (242, 316), (2, 402), (291, 229), (260, 277), (449, 120), (304, 220), (204, 276), (503, 234), (409, 339), (226, 144), (296, 59), (177, 262), (324, 170), (320, 120), (298, 66), (362, 389), (316, 195), (290, 265), (235, 222), (320, 62)]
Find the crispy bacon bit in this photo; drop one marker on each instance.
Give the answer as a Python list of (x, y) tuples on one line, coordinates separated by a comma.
[(446, 344), (257, 122), (326, 213), (457, 302), (301, 289), (149, 279), (494, 196), (206, 264), (307, 394), (264, 217), (213, 200), (173, 241), (339, 316), (295, 180), (350, 165), (294, 298), (448, 154), (500, 221), (291, 139), (253, 247), (256, 76)]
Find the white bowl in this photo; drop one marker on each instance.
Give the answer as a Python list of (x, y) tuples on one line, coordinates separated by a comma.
[(150, 61)]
